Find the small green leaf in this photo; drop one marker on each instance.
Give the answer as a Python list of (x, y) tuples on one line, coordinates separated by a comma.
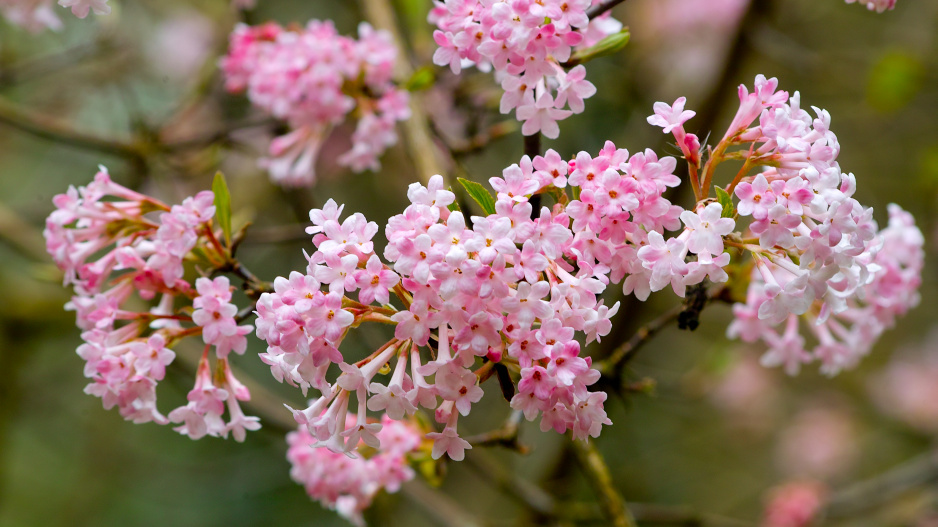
[(607, 46), (575, 191), (728, 210), (222, 206), (420, 80), (482, 196)]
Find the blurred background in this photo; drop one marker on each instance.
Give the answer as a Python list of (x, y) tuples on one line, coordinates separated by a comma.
[(714, 435)]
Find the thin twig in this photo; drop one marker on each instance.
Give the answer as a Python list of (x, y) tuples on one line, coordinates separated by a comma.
[(597, 473), (612, 365), (506, 435)]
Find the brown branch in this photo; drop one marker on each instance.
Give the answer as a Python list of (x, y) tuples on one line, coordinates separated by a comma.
[(612, 365), (599, 9), (481, 140), (21, 235), (506, 435), (597, 473), (53, 130)]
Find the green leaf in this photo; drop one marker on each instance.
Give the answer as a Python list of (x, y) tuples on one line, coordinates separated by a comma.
[(222, 206), (728, 210), (479, 193), (607, 46), (575, 191), (421, 79)]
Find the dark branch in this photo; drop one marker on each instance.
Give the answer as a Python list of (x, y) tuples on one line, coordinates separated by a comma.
[(597, 10)]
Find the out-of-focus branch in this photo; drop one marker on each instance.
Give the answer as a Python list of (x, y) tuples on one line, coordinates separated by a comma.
[(864, 496), (209, 138), (685, 314), (34, 68), (506, 435), (599, 9), (21, 235), (51, 129), (481, 140), (445, 510), (597, 473), (417, 135)]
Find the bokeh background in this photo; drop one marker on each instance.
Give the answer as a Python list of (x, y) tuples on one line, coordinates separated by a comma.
[(715, 433)]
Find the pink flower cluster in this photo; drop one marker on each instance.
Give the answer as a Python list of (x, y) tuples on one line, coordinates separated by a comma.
[(816, 250), (502, 291), (126, 351), (313, 79), (349, 484), (526, 42)]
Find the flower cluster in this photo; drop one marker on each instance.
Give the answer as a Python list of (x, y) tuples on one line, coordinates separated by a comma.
[(510, 290), (815, 249), (527, 42), (313, 79), (108, 247), (349, 484)]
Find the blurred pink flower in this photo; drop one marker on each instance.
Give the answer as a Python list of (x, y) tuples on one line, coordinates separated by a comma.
[(820, 443), (793, 504), (906, 389)]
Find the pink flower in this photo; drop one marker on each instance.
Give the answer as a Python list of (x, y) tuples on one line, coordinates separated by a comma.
[(450, 443), (541, 116), (670, 117), (215, 314), (374, 281), (707, 229)]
